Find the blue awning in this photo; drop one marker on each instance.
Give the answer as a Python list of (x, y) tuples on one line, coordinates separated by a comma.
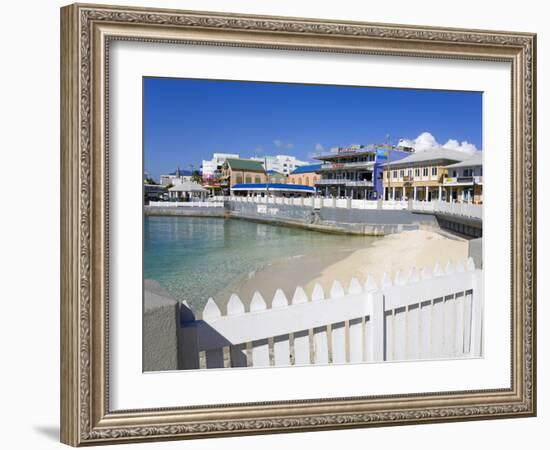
[(273, 187)]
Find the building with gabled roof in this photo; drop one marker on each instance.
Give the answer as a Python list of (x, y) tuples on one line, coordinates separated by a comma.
[(240, 170)]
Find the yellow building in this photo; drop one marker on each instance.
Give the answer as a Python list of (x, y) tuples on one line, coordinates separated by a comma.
[(464, 180), (421, 176)]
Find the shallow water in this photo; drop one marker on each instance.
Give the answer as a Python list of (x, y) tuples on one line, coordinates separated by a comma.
[(196, 258)]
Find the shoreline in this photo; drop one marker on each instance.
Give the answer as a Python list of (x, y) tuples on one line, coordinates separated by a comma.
[(389, 254)]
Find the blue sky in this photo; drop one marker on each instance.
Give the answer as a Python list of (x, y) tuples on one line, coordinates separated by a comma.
[(186, 120)]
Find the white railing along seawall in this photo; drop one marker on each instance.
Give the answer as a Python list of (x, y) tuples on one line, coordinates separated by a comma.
[(431, 314), (436, 206), (193, 204)]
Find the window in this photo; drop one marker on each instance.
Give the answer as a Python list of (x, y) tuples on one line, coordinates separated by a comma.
[(257, 180), (416, 172), (434, 171), (395, 174), (248, 179), (388, 174), (409, 172), (307, 181), (468, 172), (239, 179), (401, 173), (425, 172)]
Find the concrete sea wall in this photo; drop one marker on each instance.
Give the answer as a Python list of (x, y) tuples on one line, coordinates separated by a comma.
[(184, 211), (342, 220)]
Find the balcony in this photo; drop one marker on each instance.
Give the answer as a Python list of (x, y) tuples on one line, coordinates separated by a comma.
[(350, 165), (462, 181), (343, 182)]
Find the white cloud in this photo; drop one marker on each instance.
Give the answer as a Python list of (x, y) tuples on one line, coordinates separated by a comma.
[(279, 143), (319, 147), (426, 141), (464, 146)]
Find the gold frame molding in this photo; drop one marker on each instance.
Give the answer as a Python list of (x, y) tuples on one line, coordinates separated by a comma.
[(86, 31)]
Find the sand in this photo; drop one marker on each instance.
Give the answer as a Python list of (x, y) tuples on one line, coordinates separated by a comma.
[(392, 253)]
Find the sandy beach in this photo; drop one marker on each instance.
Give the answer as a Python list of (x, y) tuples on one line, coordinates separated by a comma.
[(392, 253)]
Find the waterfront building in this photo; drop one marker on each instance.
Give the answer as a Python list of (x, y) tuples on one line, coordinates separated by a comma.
[(177, 177), (272, 190), (187, 191), (420, 175), (356, 171), (239, 171), (212, 168), (284, 164), (305, 175), (464, 180)]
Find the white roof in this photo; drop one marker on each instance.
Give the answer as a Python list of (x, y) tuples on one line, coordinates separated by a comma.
[(474, 160), (433, 154), (188, 186)]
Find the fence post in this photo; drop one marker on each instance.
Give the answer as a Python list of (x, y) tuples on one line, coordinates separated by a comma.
[(377, 334), (476, 334), (188, 340)]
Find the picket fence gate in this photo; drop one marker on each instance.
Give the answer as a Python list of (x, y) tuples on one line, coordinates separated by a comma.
[(428, 314)]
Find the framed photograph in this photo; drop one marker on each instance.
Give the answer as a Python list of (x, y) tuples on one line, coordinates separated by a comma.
[(276, 224)]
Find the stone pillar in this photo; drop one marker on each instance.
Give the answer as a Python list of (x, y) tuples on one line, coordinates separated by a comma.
[(427, 193), (440, 193), (393, 193), (414, 193)]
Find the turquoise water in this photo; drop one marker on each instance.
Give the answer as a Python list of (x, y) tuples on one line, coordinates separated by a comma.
[(195, 258)]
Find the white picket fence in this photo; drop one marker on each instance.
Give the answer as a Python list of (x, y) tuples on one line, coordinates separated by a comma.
[(430, 314), (192, 204)]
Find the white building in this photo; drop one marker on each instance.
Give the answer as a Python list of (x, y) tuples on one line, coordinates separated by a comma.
[(281, 163), (211, 168), (175, 178)]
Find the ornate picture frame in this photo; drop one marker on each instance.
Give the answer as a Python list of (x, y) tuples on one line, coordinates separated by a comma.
[(86, 34)]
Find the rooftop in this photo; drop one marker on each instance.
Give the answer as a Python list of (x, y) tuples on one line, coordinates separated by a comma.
[(245, 164), (433, 154), (188, 186), (475, 160), (307, 169)]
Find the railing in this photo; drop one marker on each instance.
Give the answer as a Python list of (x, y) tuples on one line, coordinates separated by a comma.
[(359, 183), (429, 314), (463, 180), (344, 182), (192, 204), (331, 181), (454, 208), (336, 166), (435, 206)]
